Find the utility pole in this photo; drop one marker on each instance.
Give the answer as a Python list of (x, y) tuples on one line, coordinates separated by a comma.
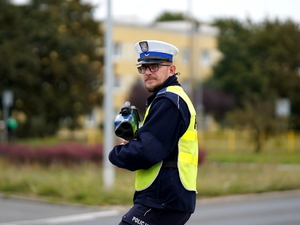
[(190, 35), (108, 168), (7, 102), (195, 74)]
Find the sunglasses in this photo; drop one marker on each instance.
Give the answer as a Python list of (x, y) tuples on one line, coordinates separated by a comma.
[(152, 68)]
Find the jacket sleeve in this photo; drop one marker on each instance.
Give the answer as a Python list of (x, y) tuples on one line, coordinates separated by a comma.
[(156, 139)]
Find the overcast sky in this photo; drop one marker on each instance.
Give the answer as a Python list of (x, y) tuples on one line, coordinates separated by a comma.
[(148, 10), (257, 10)]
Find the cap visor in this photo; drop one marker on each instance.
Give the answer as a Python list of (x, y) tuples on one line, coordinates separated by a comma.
[(150, 61)]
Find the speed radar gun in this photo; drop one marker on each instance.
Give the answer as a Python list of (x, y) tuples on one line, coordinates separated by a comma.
[(127, 122)]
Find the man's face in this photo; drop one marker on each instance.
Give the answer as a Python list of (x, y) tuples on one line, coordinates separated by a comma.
[(154, 75)]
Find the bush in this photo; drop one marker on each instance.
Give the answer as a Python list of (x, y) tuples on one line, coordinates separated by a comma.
[(64, 153), (201, 156)]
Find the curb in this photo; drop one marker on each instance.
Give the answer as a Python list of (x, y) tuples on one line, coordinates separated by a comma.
[(199, 201), (250, 196)]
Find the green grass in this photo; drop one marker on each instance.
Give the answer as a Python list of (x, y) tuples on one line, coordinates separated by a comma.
[(275, 157), (215, 179), (276, 150), (77, 184), (83, 184), (225, 172)]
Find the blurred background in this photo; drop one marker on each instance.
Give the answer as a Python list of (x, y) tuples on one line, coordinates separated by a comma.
[(238, 60)]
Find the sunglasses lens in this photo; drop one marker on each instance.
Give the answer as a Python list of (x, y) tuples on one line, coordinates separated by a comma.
[(154, 67), (140, 69)]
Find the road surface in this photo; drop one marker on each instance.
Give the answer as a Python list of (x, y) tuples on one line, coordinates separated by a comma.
[(277, 208)]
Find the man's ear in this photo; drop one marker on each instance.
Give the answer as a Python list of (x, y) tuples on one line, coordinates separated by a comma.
[(172, 70)]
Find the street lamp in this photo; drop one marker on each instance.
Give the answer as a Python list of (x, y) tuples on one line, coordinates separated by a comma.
[(108, 168)]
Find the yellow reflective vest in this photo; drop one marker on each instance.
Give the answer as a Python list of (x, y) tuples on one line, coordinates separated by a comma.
[(187, 152)]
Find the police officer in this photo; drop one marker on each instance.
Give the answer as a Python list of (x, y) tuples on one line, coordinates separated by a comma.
[(165, 151)]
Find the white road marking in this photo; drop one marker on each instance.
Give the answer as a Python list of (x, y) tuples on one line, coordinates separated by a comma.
[(66, 219)]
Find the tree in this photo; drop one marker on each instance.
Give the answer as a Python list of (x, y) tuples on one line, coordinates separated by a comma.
[(50, 59), (176, 16), (170, 16), (277, 52), (216, 103), (259, 59), (138, 97), (234, 74), (257, 115)]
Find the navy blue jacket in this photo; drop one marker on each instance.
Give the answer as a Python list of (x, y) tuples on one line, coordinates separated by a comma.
[(157, 140)]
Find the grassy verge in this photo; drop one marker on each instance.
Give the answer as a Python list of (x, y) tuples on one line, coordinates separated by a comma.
[(226, 171), (77, 184), (215, 179), (83, 184), (266, 157), (276, 150)]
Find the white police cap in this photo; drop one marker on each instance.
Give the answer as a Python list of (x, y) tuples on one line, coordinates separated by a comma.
[(152, 51)]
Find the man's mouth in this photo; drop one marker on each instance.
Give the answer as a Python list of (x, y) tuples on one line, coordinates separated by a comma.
[(149, 79)]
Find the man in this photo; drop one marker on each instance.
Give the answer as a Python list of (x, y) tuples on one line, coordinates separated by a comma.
[(165, 151)]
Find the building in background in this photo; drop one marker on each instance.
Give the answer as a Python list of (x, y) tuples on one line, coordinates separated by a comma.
[(197, 52)]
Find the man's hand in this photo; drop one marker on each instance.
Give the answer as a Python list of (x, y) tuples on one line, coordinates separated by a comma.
[(124, 142)]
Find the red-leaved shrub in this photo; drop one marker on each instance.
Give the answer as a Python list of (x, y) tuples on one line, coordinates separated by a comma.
[(64, 153), (201, 156)]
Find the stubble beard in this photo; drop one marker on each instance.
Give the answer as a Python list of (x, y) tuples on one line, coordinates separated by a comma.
[(150, 89)]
